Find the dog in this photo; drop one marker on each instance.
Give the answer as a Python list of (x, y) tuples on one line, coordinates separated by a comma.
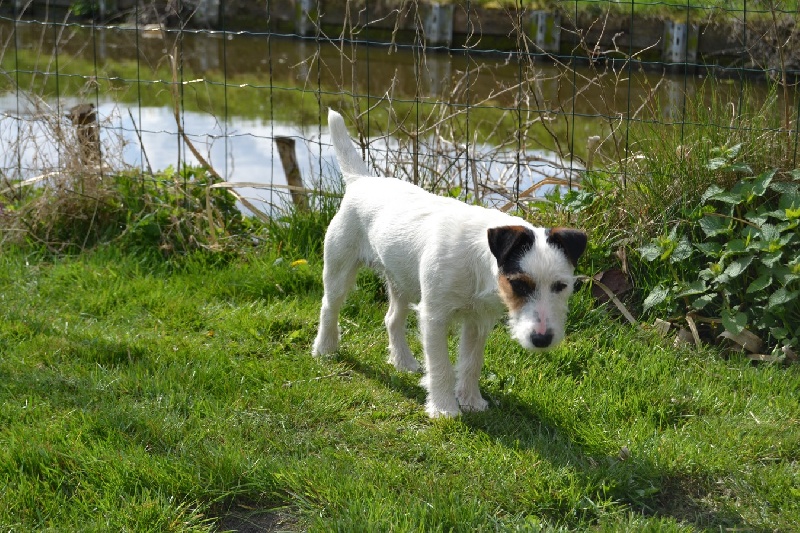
[(456, 262)]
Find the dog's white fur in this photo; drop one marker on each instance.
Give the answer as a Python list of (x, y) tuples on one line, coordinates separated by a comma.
[(458, 262)]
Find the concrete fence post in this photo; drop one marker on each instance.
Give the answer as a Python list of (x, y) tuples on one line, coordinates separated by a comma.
[(437, 23), (306, 17), (545, 30), (207, 12), (680, 42)]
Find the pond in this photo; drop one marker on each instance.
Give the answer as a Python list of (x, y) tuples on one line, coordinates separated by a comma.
[(236, 92)]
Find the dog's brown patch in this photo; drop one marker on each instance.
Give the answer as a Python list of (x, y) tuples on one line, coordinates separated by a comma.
[(515, 290)]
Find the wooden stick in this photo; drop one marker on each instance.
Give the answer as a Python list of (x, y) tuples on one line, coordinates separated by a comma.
[(292, 171)]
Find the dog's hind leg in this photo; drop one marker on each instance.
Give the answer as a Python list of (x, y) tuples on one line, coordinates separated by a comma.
[(399, 353), (472, 344), (338, 276), (439, 379)]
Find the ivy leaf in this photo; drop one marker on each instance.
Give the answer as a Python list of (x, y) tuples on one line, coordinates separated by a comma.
[(735, 323), (789, 190), (736, 246), (695, 287), (702, 301), (711, 191), (716, 163), (779, 332), (724, 158), (761, 183), (785, 275), (757, 217), (781, 297), (650, 252), (738, 266), (682, 251), (778, 214), (760, 283), (712, 226), (770, 232), (706, 274), (771, 259), (711, 249), (790, 195), (732, 197), (656, 297), (733, 151), (787, 237)]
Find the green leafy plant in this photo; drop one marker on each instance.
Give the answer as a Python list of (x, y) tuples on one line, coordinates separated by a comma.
[(736, 256), (169, 213), (176, 211), (84, 8)]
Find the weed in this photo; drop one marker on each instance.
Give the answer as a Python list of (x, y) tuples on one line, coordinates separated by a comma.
[(168, 213), (299, 233), (736, 256)]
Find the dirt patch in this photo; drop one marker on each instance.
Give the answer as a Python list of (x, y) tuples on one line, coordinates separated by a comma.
[(700, 502), (244, 519)]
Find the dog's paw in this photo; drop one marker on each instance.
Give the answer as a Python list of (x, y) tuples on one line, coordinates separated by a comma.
[(403, 360), (324, 346), (435, 413), (473, 403), (469, 397), (449, 410)]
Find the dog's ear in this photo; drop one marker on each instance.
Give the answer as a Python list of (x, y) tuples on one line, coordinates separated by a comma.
[(509, 243), (571, 241)]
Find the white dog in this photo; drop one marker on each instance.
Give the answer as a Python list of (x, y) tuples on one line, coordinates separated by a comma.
[(458, 262)]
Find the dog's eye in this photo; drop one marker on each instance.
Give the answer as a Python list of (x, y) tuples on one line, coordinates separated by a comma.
[(521, 287), (558, 286)]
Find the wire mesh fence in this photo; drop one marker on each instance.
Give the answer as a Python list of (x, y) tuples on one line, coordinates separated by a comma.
[(496, 105)]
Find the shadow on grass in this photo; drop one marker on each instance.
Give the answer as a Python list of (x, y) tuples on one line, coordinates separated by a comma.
[(55, 375), (406, 383), (636, 483)]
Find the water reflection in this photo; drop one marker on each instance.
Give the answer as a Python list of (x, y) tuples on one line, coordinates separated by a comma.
[(147, 138), (239, 91)]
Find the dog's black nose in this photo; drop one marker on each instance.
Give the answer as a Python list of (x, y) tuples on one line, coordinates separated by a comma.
[(542, 340)]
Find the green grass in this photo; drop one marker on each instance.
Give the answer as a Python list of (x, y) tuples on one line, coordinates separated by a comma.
[(703, 9), (148, 396)]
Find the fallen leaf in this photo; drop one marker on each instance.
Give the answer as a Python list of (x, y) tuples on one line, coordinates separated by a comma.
[(744, 339)]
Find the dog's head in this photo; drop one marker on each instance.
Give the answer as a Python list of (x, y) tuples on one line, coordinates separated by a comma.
[(536, 277)]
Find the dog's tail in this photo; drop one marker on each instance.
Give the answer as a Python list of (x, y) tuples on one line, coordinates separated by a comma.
[(353, 167)]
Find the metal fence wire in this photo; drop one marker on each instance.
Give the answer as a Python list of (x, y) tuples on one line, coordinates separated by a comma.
[(490, 104)]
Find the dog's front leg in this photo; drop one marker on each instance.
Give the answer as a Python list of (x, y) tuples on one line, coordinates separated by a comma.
[(439, 379), (472, 345)]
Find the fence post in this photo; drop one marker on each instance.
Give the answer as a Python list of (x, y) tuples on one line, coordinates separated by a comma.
[(680, 42), (306, 16), (84, 118), (437, 23), (292, 171), (208, 12), (545, 30)]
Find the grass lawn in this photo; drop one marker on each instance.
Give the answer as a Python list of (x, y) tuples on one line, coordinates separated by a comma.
[(137, 396)]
